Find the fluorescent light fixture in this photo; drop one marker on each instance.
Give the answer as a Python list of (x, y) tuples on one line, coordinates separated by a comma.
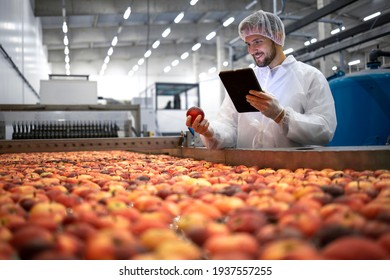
[(104, 67), (63, 12), (67, 72), (135, 67), (184, 55), (179, 17), (131, 73), (65, 27), (202, 75), (372, 16), (334, 68), (193, 2), (212, 70), (288, 51), (107, 59), (335, 31), (67, 59), (66, 50), (225, 63), (167, 69), (354, 62), (211, 35), (127, 13), (227, 22), (307, 43), (312, 41), (119, 29), (147, 53), (67, 66), (66, 40), (101, 73), (196, 46), (141, 61), (250, 5), (166, 32), (114, 41), (156, 44), (110, 51), (175, 63)]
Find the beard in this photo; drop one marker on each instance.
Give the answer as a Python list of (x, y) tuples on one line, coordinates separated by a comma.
[(268, 57)]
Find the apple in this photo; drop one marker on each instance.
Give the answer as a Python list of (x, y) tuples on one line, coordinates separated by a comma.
[(194, 112), (31, 240), (289, 249), (242, 242), (354, 248), (112, 244)]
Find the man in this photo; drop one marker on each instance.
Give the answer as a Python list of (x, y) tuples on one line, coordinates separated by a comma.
[(296, 107)]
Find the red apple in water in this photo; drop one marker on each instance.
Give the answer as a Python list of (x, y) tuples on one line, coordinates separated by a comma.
[(194, 112)]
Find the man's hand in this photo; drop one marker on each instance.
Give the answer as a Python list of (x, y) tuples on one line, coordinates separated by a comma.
[(201, 127), (266, 104)]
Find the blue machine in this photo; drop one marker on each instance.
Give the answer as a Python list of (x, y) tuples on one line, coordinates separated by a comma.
[(362, 103)]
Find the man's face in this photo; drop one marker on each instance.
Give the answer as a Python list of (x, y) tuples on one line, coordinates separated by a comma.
[(261, 48)]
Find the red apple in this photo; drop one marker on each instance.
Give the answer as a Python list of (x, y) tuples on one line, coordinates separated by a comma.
[(194, 112)]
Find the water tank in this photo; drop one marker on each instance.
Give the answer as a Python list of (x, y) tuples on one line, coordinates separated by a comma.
[(362, 103)]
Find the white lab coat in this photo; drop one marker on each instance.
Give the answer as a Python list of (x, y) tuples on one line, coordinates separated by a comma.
[(304, 93)]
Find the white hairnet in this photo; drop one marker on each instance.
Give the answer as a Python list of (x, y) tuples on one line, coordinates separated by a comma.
[(263, 23)]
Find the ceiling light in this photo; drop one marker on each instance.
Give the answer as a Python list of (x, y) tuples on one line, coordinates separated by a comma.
[(227, 22), (66, 50), (114, 41), (288, 51), (175, 63), (67, 59), (148, 53), (64, 27), (250, 5), (66, 41), (127, 13), (131, 73), (354, 62), (212, 70), (334, 68), (179, 17), (225, 63), (335, 31), (184, 55), (196, 46), (67, 66), (141, 61), (202, 75), (372, 16), (104, 67), (307, 43), (156, 44), (67, 72), (167, 69), (211, 35), (110, 51), (166, 32), (135, 67), (312, 41), (193, 2), (119, 29), (107, 59)]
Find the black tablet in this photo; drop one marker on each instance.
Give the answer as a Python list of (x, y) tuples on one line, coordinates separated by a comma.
[(237, 84)]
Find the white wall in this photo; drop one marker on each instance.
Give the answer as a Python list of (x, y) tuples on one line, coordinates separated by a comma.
[(21, 37)]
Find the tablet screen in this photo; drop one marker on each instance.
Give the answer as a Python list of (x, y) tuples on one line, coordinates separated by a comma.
[(237, 84)]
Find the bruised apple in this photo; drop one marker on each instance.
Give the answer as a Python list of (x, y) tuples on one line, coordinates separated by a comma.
[(194, 112)]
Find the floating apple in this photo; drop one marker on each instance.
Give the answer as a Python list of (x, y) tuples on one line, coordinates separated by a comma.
[(194, 112)]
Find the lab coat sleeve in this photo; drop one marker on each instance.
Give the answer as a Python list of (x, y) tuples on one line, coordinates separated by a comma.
[(317, 124), (224, 126)]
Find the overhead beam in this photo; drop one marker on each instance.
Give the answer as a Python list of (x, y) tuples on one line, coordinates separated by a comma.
[(363, 27), (353, 41), (320, 13)]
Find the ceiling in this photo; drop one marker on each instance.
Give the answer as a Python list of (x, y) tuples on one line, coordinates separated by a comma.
[(92, 25)]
